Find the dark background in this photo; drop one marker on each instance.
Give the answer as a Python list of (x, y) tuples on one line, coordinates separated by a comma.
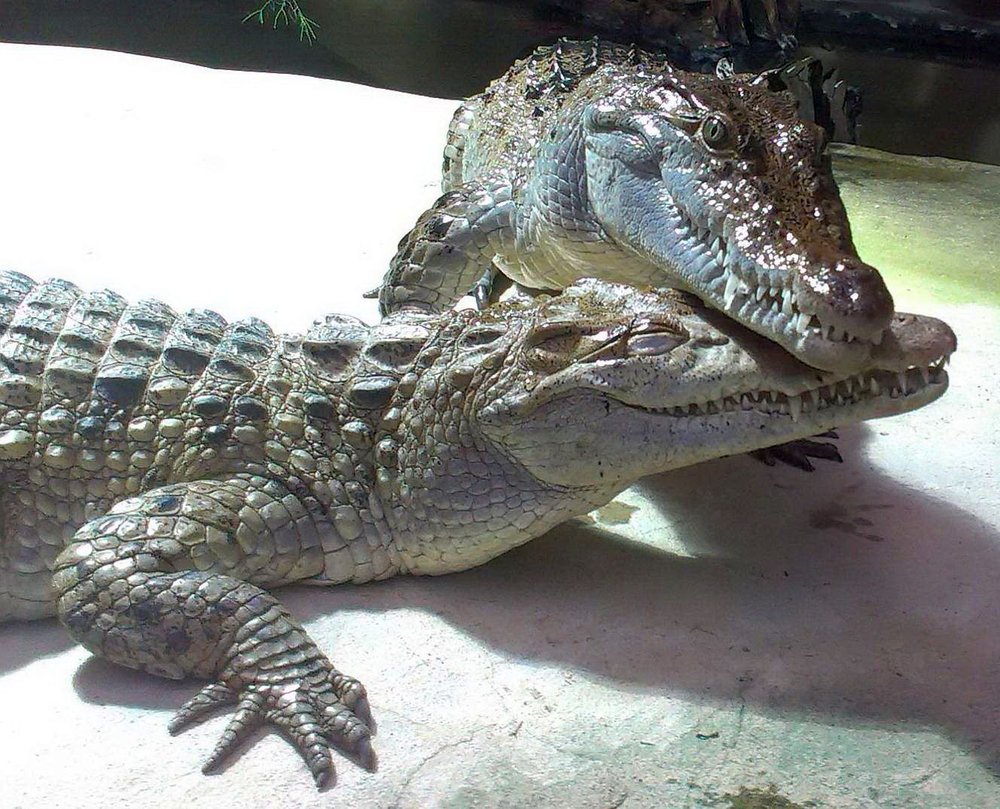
[(452, 48)]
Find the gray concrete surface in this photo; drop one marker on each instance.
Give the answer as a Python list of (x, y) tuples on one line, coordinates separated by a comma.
[(724, 628)]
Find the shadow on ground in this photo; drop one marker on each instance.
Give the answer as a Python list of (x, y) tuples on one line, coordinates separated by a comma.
[(24, 642)]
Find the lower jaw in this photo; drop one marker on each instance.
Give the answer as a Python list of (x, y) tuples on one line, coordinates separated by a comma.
[(769, 430), (828, 355), (709, 283)]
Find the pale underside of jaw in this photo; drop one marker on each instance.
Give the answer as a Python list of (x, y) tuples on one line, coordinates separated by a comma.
[(751, 294), (867, 387)]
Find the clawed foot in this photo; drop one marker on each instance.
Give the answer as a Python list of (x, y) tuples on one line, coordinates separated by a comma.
[(482, 290), (318, 708), (797, 453)]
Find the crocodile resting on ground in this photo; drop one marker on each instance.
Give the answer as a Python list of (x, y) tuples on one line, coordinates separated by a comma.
[(591, 159), (169, 468)]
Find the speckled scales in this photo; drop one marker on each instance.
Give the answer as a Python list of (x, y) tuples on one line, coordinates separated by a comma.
[(102, 400), (606, 161), (159, 471)]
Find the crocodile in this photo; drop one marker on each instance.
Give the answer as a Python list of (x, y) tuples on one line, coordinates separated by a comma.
[(162, 472), (593, 159)]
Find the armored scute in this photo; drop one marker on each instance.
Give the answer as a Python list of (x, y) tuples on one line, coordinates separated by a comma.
[(592, 159), (162, 471)]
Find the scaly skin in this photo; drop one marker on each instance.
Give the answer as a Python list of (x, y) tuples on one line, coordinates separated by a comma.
[(589, 159), (167, 469)]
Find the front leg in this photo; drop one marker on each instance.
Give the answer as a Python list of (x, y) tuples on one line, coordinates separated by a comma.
[(168, 582), (449, 252), (797, 453)]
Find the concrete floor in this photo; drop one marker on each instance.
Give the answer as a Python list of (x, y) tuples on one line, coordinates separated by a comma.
[(720, 633)]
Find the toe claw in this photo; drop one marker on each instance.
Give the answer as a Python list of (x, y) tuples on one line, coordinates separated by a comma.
[(324, 776), (797, 453), (363, 711), (365, 755), (353, 695), (320, 764)]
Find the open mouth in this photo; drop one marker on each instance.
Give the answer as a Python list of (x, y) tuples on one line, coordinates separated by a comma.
[(752, 294), (917, 381)]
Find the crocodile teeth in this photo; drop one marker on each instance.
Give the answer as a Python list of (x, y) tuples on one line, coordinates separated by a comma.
[(901, 376), (925, 374), (786, 306), (732, 286), (874, 387), (877, 339), (795, 407)]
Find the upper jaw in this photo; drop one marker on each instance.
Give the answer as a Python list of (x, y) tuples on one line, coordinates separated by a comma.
[(829, 313), (599, 433), (817, 406), (744, 374)]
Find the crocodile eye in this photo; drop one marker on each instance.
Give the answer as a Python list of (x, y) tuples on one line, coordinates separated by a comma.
[(717, 132), (553, 347), (654, 343)]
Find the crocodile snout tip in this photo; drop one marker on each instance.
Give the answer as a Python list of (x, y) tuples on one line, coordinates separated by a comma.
[(850, 295)]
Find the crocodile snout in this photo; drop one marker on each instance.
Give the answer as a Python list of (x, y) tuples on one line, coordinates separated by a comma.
[(846, 295)]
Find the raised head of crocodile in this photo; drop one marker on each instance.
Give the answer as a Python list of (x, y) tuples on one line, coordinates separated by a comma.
[(169, 468), (589, 159)]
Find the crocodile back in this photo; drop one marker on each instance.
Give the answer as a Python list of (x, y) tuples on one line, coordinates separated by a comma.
[(500, 128), (74, 362), (101, 399)]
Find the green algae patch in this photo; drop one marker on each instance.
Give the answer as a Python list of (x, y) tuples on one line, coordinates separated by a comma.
[(930, 225), (756, 798)]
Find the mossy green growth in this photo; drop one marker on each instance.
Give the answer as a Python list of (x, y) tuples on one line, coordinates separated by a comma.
[(930, 225), (757, 798)]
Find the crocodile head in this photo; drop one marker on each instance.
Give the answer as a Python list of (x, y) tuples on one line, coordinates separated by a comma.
[(717, 181), (606, 384)]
